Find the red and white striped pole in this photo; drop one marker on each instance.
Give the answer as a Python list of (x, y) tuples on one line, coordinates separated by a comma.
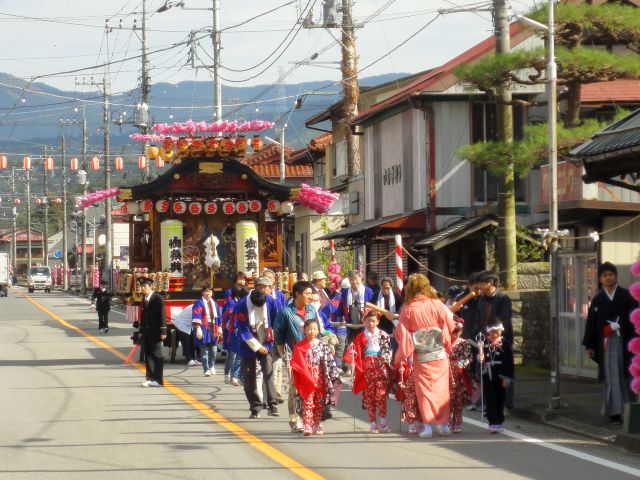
[(399, 274)]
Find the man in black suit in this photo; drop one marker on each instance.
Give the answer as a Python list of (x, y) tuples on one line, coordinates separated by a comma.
[(153, 328)]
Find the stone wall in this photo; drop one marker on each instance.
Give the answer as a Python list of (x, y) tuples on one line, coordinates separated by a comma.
[(531, 326)]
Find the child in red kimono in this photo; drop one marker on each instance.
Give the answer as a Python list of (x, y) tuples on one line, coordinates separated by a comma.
[(372, 358), (315, 376), (460, 385)]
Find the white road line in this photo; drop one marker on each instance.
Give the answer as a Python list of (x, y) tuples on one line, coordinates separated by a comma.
[(558, 448)]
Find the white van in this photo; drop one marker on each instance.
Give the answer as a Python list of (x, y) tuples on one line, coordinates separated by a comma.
[(39, 278)]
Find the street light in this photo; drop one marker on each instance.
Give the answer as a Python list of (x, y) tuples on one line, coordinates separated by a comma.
[(552, 114)]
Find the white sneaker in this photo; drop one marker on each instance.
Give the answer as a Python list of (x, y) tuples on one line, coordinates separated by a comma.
[(227, 379), (192, 363), (207, 373), (427, 431), (153, 383), (213, 370), (198, 362), (234, 382), (444, 430), (146, 383)]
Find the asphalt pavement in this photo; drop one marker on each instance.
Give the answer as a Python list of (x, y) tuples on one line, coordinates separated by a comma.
[(72, 409)]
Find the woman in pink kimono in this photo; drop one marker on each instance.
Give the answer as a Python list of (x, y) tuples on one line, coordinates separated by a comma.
[(424, 334)]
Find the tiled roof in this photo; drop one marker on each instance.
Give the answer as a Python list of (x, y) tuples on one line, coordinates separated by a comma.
[(321, 142), (431, 79), (21, 236), (620, 136), (291, 171), (269, 154), (614, 91)]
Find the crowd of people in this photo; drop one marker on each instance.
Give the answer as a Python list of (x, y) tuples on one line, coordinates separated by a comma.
[(434, 354)]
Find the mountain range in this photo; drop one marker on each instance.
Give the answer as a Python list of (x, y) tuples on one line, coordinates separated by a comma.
[(32, 116)]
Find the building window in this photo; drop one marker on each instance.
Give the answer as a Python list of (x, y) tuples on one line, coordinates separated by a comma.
[(340, 159), (484, 128)]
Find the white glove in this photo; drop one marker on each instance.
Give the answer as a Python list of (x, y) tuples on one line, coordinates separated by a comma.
[(199, 333), (615, 326)]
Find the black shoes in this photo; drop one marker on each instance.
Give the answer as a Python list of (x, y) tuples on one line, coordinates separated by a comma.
[(273, 412), (254, 415), (106, 330)]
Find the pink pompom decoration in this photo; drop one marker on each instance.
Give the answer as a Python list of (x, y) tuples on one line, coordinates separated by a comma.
[(634, 370), (635, 385), (635, 319), (635, 268), (635, 291), (634, 346)]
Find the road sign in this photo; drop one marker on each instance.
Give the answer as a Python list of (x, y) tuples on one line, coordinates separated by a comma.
[(57, 254)]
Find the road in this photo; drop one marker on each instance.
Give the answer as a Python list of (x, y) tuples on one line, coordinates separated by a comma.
[(71, 409)]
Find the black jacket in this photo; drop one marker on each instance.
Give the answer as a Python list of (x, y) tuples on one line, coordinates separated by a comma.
[(386, 325), (603, 309), (153, 320), (102, 300), (499, 305)]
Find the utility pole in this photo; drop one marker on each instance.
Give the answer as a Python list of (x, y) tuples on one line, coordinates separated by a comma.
[(83, 276), (28, 219), (65, 220), (108, 257), (506, 179), (145, 83), (14, 247), (45, 239), (217, 86), (351, 97), (553, 209)]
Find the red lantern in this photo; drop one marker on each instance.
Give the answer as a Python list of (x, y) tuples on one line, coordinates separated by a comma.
[(256, 143), (162, 206), (159, 162), (119, 163), (48, 164), (146, 206), (242, 207), (74, 164), (255, 206), (26, 163), (142, 162), (225, 147), (273, 206), (4, 162), (210, 208), (16, 201), (241, 145), (179, 207), (58, 200), (95, 163), (195, 208), (229, 208)]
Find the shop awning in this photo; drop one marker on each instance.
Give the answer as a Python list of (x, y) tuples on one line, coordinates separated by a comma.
[(456, 231), (415, 220)]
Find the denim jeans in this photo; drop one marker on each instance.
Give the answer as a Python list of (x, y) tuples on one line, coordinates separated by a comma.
[(208, 356), (232, 364)]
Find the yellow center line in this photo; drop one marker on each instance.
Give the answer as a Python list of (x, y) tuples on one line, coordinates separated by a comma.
[(260, 445)]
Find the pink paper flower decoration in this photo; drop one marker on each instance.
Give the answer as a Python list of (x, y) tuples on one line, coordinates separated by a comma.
[(635, 268), (635, 291), (635, 385), (634, 346), (634, 370), (635, 319)]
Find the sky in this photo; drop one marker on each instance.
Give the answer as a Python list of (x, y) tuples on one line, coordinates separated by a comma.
[(42, 38)]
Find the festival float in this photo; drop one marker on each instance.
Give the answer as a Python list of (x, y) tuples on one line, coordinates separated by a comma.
[(207, 217)]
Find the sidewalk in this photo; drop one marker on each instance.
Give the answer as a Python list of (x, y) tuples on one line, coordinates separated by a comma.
[(581, 400)]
